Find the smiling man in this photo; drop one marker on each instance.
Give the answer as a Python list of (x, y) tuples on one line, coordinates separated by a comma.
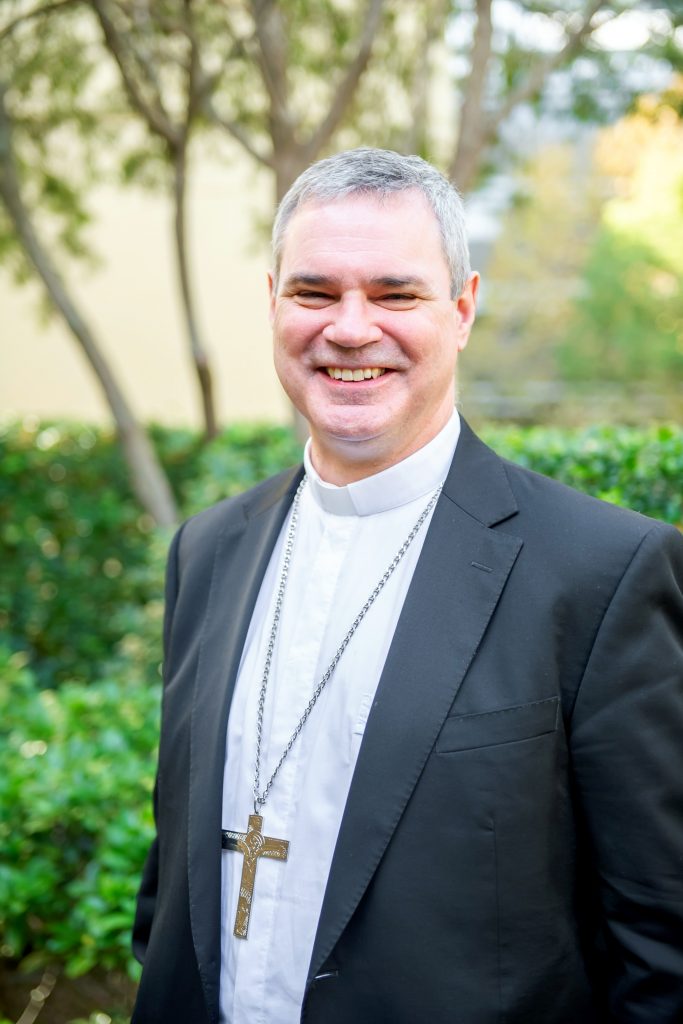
[(421, 750), (367, 324)]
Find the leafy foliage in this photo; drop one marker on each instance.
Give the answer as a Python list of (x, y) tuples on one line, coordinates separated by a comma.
[(589, 315), (628, 321), (530, 285), (74, 544), (60, 136), (80, 559), (76, 775)]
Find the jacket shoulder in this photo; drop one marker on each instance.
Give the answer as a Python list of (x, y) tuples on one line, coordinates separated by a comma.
[(578, 529), (201, 531), (557, 499), (539, 508)]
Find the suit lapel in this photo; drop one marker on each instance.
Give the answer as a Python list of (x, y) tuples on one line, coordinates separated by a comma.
[(242, 553), (459, 578)]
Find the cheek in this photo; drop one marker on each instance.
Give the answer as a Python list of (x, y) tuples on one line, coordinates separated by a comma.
[(281, 334), (294, 330), (430, 350)]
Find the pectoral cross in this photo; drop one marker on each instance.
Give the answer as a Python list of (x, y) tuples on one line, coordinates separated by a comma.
[(252, 844)]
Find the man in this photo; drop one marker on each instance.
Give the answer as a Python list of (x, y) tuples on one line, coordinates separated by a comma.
[(421, 755)]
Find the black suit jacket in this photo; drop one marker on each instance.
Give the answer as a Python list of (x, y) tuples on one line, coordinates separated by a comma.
[(511, 850)]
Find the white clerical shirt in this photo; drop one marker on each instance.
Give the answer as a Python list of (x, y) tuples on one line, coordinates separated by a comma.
[(346, 539)]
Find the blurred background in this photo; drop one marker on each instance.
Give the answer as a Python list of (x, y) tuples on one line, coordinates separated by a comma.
[(143, 149)]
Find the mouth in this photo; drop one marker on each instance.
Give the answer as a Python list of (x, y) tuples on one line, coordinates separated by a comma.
[(358, 374)]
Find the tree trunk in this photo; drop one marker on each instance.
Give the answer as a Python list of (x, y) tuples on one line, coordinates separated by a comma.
[(148, 479), (472, 131), (199, 354)]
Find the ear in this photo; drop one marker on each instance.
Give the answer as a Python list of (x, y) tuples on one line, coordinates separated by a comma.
[(271, 296), (466, 309)]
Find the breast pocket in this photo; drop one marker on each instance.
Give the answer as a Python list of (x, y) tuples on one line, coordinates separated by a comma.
[(504, 725)]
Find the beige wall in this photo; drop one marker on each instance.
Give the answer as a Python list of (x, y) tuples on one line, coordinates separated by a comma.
[(131, 301)]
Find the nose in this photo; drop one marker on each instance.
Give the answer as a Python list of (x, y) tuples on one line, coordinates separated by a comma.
[(352, 325)]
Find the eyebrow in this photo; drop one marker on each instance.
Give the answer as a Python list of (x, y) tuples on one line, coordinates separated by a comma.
[(308, 280), (323, 280), (399, 282)]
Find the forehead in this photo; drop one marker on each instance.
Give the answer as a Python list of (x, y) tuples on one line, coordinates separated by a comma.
[(393, 234)]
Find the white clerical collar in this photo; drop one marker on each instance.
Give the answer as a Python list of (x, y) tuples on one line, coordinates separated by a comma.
[(408, 480)]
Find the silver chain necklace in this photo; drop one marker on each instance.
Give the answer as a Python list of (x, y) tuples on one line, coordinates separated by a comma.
[(253, 844)]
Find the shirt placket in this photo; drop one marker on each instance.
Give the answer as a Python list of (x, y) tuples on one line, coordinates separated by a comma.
[(293, 680)]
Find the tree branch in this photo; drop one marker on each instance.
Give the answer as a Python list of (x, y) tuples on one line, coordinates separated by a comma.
[(140, 18), (36, 13), (197, 349), (479, 129), (271, 57), (238, 132), (347, 87), (538, 73), (198, 352), (416, 138), (195, 76), (153, 113), (469, 143)]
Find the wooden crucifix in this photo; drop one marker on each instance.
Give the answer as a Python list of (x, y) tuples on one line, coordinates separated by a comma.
[(252, 844)]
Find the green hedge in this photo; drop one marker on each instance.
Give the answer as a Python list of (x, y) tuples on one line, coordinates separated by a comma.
[(76, 777), (80, 618), (75, 546)]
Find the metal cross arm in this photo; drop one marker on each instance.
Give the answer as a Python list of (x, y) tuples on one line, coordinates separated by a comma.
[(252, 844)]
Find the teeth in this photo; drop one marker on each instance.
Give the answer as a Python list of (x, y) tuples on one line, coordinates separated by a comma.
[(367, 372)]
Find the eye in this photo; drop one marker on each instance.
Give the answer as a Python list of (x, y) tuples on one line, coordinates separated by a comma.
[(313, 299), (397, 300)]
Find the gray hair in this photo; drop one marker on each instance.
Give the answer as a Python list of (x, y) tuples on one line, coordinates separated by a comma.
[(380, 172)]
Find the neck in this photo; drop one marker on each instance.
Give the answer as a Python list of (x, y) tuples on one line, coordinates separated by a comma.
[(345, 462)]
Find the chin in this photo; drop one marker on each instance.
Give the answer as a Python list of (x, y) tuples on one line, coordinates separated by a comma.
[(359, 432), (354, 447)]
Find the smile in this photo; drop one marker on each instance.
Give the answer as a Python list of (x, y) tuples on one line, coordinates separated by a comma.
[(365, 373)]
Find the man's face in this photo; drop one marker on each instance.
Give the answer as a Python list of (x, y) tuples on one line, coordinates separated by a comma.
[(364, 292)]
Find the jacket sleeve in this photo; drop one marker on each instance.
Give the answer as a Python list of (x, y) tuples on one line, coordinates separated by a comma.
[(147, 893), (627, 752)]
